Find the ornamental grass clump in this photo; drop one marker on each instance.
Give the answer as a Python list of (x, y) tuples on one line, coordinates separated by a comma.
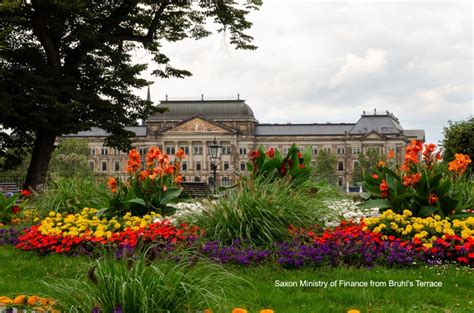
[(69, 195), (139, 284), (259, 212)]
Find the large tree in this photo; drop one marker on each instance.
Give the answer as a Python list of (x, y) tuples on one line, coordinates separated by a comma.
[(66, 66)]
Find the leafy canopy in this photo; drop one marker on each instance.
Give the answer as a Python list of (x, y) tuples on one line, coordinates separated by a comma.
[(66, 66)]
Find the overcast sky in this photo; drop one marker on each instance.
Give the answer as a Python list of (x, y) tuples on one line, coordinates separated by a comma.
[(327, 61)]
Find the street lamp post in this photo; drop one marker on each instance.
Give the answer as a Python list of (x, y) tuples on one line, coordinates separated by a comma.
[(214, 150)]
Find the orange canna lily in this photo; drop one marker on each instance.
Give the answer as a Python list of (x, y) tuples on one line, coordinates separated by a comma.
[(459, 164), (180, 154), (239, 310)]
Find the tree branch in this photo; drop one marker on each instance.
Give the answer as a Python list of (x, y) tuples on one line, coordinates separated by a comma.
[(108, 26), (127, 35)]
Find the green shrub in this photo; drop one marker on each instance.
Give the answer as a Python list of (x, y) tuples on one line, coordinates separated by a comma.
[(139, 285), (424, 186), (151, 189), (70, 195), (271, 164), (260, 212)]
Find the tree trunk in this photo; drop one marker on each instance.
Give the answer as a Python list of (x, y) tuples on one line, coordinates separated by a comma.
[(42, 150)]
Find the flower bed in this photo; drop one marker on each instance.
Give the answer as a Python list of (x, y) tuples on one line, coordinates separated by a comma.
[(389, 239), (80, 233), (349, 244), (27, 303)]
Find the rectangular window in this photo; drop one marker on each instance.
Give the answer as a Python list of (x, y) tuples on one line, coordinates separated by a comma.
[(341, 150), (356, 164), (285, 151), (197, 166), (92, 151), (91, 165), (327, 149), (104, 151), (226, 150), (315, 151), (117, 166), (143, 151), (340, 166), (197, 150), (170, 150), (243, 166), (104, 166), (243, 151), (226, 166), (116, 151), (356, 150), (185, 149), (184, 166)]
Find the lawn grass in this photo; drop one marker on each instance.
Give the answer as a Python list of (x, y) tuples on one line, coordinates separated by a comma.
[(21, 272)]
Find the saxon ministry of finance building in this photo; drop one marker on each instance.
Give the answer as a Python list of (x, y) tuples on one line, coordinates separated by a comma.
[(193, 124)]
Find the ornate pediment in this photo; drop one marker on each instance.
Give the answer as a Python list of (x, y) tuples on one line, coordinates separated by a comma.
[(198, 125), (373, 135)]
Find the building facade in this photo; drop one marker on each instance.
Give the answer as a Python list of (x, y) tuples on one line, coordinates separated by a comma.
[(192, 125)]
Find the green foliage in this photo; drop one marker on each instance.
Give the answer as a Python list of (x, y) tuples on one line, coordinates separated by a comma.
[(69, 194), (459, 138), (425, 188), (70, 159), (8, 204), (260, 212), (135, 285), (67, 66), (140, 196), (272, 165), (325, 166)]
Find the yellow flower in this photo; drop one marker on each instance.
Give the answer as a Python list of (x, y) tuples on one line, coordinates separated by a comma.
[(5, 300), (32, 300), (239, 310), (353, 311), (19, 299)]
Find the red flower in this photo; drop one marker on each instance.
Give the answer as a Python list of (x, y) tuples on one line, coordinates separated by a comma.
[(301, 166), (270, 153), (25, 192), (254, 155), (433, 199), (383, 185), (375, 176), (16, 209)]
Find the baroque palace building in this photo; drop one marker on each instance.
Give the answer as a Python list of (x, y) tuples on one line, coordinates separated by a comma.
[(194, 124)]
